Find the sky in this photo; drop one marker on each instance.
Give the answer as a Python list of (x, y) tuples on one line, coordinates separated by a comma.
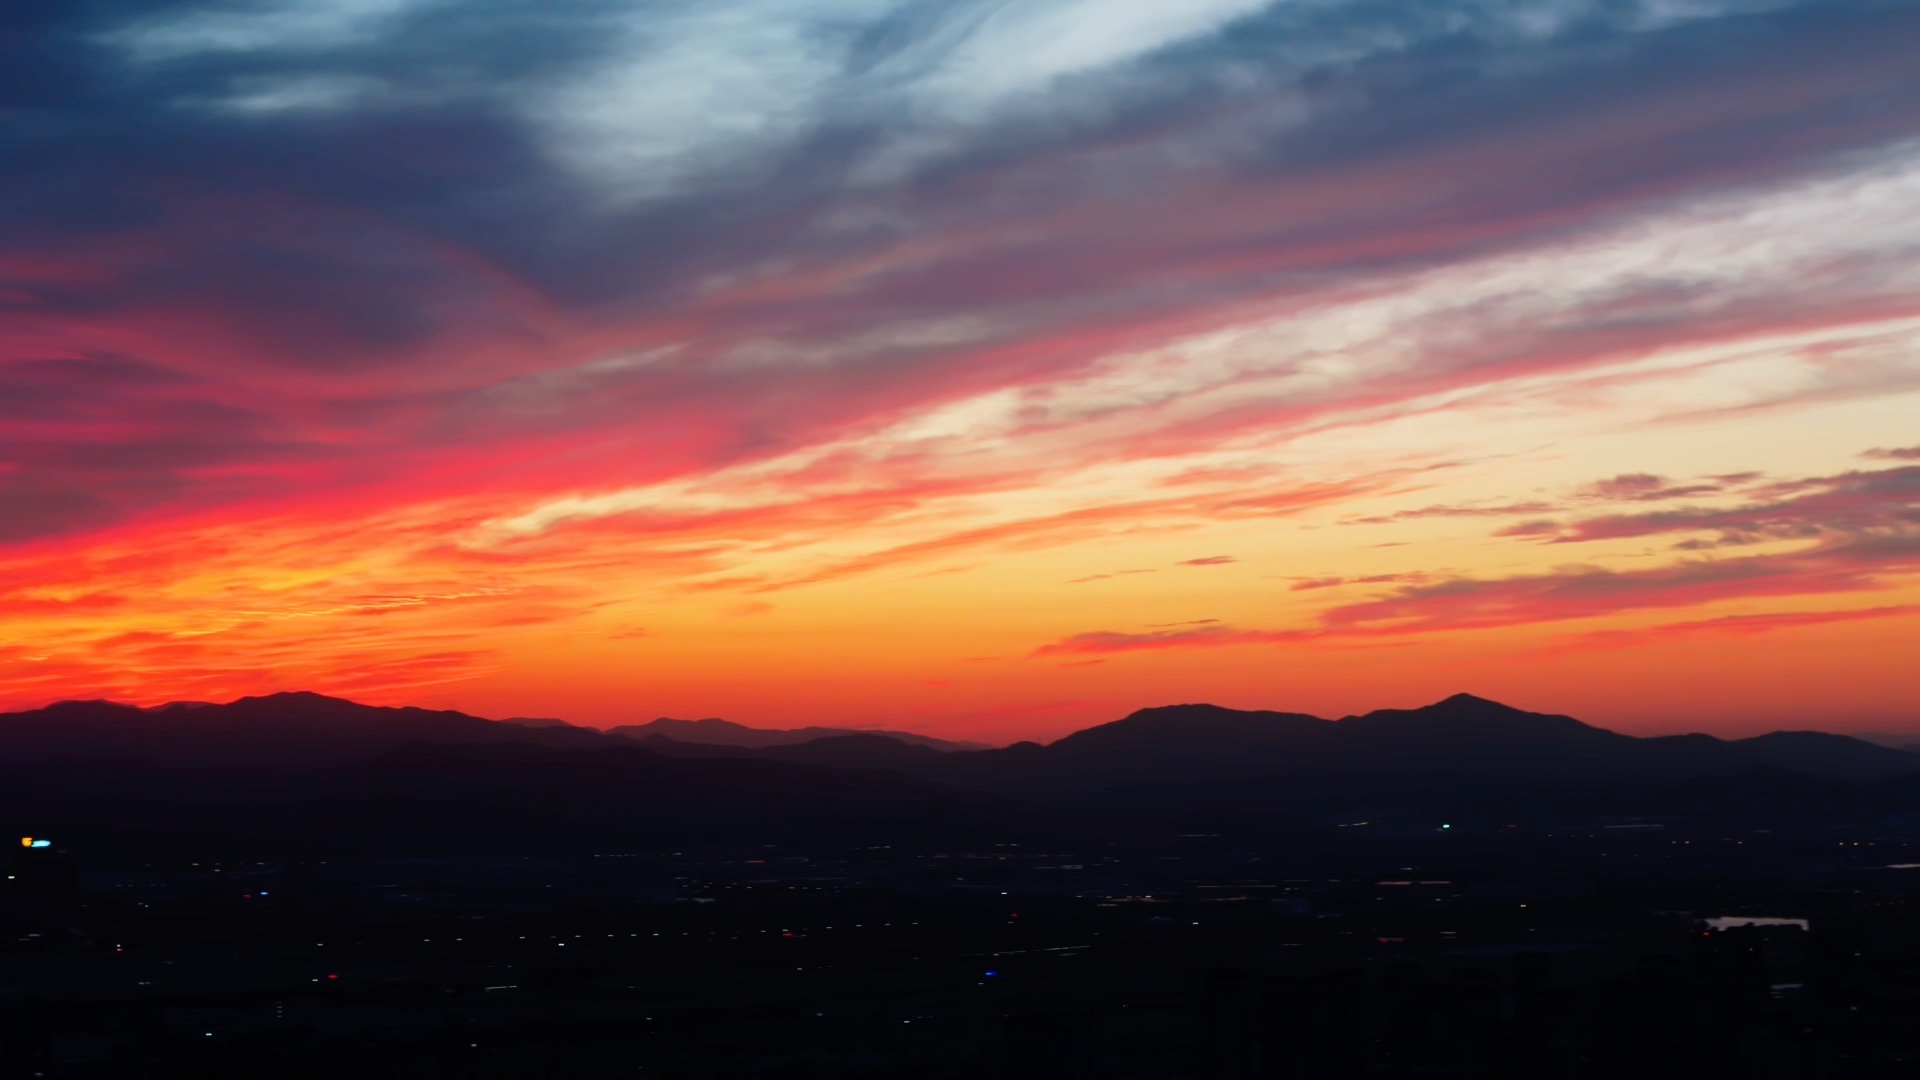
[(978, 368)]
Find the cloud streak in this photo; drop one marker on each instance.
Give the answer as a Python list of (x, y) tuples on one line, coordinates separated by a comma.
[(1853, 533)]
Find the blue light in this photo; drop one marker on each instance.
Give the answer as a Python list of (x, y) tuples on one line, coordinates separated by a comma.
[(43, 843), (991, 974)]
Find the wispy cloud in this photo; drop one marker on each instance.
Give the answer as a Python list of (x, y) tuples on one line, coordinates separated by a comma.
[(1855, 504), (1851, 533), (1201, 637), (1738, 625), (1644, 487), (1493, 510)]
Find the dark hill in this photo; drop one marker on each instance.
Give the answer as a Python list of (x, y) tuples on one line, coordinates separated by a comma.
[(1460, 738), (867, 750), (1190, 729), (537, 722), (1464, 717), (1472, 735), (278, 729), (716, 732), (311, 767)]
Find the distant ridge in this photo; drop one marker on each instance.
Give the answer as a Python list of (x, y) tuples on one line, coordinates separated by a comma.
[(537, 722), (320, 774), (304, 728), (716, 732), (295, 728), (1462, 736)]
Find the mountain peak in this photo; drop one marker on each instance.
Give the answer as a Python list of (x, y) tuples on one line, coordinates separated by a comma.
[(1463, 720), (1463, 700), (298, 697), (1187, 727), (298, 727), (1194, 710), (1460, 707), (716, 732)]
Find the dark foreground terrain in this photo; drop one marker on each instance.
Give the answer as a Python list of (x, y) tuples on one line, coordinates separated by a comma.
[(576, 906), (1588, 953)]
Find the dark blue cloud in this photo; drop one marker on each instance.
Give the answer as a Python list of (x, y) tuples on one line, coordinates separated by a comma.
[(444, 136)]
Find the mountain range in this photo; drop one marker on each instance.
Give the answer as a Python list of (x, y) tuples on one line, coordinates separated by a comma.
[(714, 732), (1462, 735), (332, 774)]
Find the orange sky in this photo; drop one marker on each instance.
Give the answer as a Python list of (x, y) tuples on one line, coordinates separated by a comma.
[(1051, 395)]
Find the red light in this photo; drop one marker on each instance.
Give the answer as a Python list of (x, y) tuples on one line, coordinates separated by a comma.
[(333, 976), (787, 934)]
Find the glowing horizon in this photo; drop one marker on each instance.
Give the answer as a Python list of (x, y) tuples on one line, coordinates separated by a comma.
[(981, 371)]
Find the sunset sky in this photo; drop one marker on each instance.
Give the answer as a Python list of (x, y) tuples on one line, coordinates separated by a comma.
[(983, 369)]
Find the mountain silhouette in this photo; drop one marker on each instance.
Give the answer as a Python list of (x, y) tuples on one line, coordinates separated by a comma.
[(324, 773), (1462, 736), (863, 750), (537, 722), (1466, 717), (298, 728), (1472, 734), (1189, 729), (716, 732), (307, 772)]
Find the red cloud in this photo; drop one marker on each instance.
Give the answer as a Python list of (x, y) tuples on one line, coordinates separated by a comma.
[(1743, 624), (1863, 527), (1201, 637)]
